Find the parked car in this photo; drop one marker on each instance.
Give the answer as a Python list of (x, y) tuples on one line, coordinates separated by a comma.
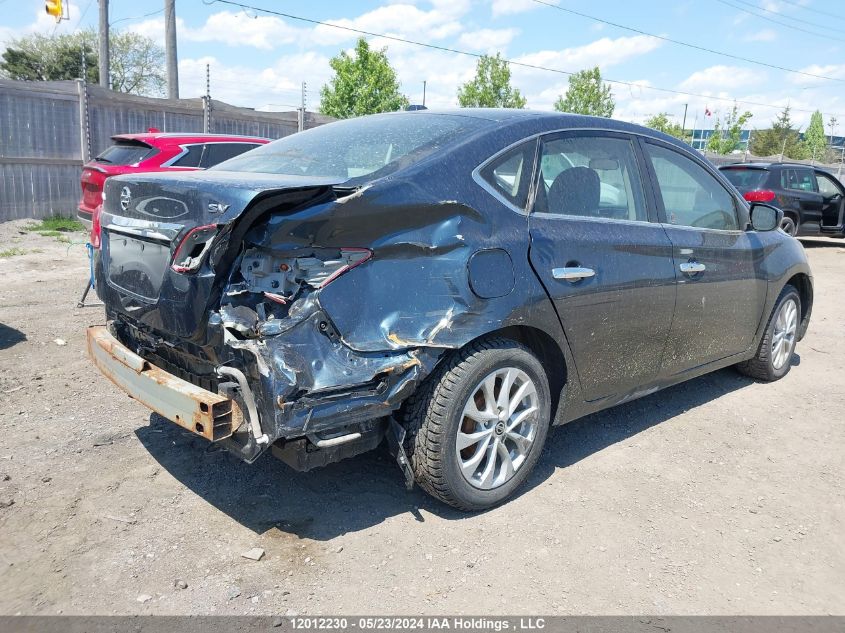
[(154, 151), (418, 276), (812, 200)]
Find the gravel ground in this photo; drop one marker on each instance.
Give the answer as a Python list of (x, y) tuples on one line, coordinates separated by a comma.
[(718, 496)]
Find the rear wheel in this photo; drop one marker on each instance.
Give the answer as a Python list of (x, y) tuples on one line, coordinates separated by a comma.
[(774, 356), (477, 426), (787, 225)]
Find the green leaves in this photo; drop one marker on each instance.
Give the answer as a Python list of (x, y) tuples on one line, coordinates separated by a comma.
[(814, 137), (137, 62), (661, 123), (491, 86), (727, 134), (587, 95), (364, 83), (781, 138)]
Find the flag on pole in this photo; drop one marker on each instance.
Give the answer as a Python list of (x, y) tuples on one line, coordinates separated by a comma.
[(707, 111)]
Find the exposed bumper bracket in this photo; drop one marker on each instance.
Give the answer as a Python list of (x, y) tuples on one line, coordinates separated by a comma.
[(210, 415)]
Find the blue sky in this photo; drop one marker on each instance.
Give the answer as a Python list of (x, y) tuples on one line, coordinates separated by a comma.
[(259, 60)]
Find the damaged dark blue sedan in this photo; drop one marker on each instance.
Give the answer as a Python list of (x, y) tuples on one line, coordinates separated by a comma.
[(454, 283)]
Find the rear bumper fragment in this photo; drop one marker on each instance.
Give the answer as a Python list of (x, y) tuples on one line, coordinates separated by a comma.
[(210, 415)]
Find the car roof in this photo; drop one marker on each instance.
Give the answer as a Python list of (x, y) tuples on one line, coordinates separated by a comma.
[(176, 138), (761, 165), (547, 121)]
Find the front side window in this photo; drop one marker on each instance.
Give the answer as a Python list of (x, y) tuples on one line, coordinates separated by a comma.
[(691, 195), (510, 174), (590, 176), (826, 186)]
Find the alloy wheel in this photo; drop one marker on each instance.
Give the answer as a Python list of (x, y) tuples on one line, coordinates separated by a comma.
[(498, 427), (783, 337)]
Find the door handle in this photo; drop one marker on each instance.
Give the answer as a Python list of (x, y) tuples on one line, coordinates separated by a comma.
[(573, 273), (692, 267)]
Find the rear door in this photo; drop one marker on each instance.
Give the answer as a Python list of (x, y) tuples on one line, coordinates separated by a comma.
[(720, 297), (606, 266), (801, 192)]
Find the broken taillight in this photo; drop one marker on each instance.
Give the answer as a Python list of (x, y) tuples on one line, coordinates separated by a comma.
[(188, 255)]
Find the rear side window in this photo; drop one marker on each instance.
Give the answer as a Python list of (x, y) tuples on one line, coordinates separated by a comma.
[(691, 195), (590, 176), (510, 174), (746, 178), (191, 158), (798, 179), (218, 152), (124, 154)]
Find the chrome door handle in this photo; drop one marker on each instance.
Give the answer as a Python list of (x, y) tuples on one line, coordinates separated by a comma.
[(692, 267), (572, 274)]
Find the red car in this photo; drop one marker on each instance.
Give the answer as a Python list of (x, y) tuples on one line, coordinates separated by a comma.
[(153, 151)]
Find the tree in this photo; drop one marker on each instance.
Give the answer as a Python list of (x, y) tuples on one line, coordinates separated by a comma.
[(364, 83), (137, 62), (39, 57), (587, 95), (491, 86), (814, 138), (661, 123), (727, 135), (780, 138)]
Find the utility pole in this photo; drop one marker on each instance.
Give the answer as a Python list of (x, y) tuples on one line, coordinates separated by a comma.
[(170, 49), (206, 101), (300, 122), (104, 43), (684, 124), (423, 92)]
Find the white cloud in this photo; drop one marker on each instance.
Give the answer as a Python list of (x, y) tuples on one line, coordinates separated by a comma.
[(604, 52), (41, 23), (488, 40), (511, 7), (829, 70), (721, 78), (227, 27)]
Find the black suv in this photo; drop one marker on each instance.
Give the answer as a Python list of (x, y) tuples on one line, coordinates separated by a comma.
[(813, 201)]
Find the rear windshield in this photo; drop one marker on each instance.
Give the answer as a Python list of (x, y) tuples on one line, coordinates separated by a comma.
[(745, 178), (356, 148), (124, 153)]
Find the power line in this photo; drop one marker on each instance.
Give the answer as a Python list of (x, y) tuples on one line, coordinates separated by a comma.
[(791, 17), (819, 11), (778, 22), (447, 49), (688, 45)]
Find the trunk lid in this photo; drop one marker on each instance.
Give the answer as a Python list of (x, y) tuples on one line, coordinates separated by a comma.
[(148, 219)]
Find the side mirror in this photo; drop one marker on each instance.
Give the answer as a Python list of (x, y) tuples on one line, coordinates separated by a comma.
[(765, 217)]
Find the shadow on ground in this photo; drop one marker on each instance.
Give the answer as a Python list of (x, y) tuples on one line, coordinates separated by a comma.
[(364, 491), (9, 336), (828, 243)]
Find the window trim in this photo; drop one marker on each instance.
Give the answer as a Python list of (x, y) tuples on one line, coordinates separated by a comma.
[(545, 137), (742, 218), (185, 148), (484, 184)]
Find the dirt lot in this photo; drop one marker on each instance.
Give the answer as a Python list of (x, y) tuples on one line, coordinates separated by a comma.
[(718, 496)]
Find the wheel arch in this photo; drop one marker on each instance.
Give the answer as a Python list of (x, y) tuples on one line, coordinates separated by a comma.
[(801, 282), (548, 352)]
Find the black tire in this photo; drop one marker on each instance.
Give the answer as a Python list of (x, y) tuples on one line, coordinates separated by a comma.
[(788, 226), (433, 416), (762, 365)]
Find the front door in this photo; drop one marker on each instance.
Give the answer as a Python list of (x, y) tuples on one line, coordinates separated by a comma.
[(833, 195), (720, 297), (607, 268)]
